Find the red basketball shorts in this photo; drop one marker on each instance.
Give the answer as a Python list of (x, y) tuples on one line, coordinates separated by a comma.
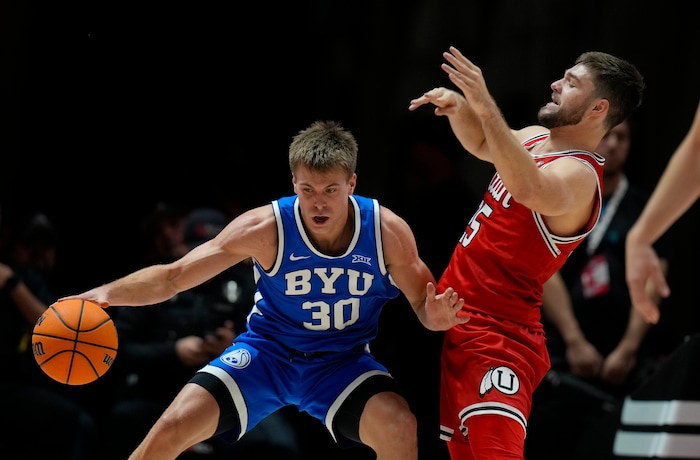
[(490, 366)]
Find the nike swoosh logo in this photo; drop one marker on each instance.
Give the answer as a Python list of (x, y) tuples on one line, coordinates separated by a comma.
[(293, 258)]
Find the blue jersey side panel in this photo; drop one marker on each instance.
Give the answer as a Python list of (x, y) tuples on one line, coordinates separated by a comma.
[(310, 301)]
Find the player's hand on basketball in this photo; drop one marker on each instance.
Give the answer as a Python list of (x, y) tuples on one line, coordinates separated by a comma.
[(80, 335), (93, 295), (443, 311)]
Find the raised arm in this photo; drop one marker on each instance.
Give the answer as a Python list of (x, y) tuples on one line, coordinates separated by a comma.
[(464, 123), (564, 192), (676, 191)]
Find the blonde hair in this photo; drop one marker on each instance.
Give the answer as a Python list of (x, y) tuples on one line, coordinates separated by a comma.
[(324, 146)]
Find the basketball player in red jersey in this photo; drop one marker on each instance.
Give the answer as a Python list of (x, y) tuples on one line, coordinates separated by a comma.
[(541, 203)]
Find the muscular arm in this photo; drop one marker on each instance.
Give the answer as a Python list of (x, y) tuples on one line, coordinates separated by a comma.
[(414, 279), (621, 361), (676, 191), (583, 358), (252, 234), (564, 191), (465, 125)]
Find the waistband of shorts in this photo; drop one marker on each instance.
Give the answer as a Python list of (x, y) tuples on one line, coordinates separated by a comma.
[(363, 347)]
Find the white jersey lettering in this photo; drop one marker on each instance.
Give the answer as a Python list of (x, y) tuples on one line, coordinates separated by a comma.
[(300, 282)]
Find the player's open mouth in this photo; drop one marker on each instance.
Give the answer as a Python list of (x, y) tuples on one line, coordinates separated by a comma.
[(320, 219)]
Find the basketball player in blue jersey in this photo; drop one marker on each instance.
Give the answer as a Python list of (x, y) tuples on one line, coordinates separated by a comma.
[(325, 263)]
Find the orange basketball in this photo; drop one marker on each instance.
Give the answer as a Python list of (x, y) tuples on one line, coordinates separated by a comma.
[(75, 341)]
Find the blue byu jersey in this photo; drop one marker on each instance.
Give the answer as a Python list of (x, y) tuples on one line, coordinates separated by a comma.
[(313, 302)]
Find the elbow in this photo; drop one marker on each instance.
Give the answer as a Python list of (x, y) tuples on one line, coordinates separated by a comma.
[(173, 283), (479, 150), (526, 194)]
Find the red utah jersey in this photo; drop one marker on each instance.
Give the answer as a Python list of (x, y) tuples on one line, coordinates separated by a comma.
[(507, 252)]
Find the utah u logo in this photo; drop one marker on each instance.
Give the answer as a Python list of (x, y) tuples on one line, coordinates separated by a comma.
[(501, 378)]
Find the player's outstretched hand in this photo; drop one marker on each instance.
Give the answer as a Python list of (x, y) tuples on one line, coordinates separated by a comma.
[(446, 101), (442, 311), (468, 77)]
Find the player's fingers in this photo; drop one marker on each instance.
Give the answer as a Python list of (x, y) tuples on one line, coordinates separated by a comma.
[(432, 96), (462, 82), (430, 289), (459, 61), (650, 312), (70, 297), (454, 51), (659, 280), (415, 103), (647, 308), (451, 72), (454, 56)]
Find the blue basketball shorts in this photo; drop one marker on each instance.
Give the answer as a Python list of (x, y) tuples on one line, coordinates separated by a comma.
[(256, 376)]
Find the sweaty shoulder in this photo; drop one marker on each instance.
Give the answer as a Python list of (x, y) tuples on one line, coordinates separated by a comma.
[(530, 132), (397, 236), (255, 233)]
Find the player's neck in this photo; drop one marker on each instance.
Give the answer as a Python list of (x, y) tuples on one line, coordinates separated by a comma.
[(572, 137), (336, 242)]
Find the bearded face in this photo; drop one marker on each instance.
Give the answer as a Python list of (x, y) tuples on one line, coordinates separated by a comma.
[(561, 115)]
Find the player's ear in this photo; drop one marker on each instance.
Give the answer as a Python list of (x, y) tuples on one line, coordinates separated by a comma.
[(601, 106), (352, 182)]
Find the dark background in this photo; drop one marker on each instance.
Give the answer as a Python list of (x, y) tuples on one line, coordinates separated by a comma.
[(110, 107)]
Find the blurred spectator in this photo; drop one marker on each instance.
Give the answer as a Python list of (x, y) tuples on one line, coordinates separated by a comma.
[(599, 345), (163, 233), (162, 346), (28, 397)]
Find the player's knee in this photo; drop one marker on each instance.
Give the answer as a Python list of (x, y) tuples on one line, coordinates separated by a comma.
[(166, 428), (171, 431), (406, 425), (387, 419)]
